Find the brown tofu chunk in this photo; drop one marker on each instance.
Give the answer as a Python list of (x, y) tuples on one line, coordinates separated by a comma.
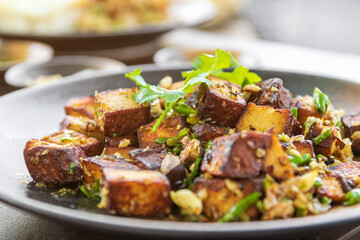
[(341, 179), (118, 152), (306, 108), (169, 128), (117, 112), (221, 102), (82, 125), (152, 159), (223, 194), (136, 193), (81, 107), (245, 154), (351, 123), (273, 94), (330, 145), (263, 118), (116, 142), (90, 146), (94, 166), (53, 164), (208, 132)]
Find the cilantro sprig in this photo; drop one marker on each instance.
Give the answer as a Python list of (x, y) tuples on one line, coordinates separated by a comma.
[(205, 65)]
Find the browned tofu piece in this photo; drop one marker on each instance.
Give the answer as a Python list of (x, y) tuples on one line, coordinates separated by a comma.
[(299, 144), (82, 125), (135, 193), (117, 113), (331, 188), (53, 164), (330, 145), (90, 146), (152, 159), (273, 94), (81, 107), (118, 152), (169, 128), (119, 141), (351, 123), (208, 132), (245, 154), (263, 118), (94, 166), (306, 108), (341, 179), (221, 102), (223, 194)]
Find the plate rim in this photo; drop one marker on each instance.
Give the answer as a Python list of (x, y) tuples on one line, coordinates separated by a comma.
[(161, 227)]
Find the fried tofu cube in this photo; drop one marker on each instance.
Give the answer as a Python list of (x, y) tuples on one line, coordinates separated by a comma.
[(351, 123), (127, 140), (148, 159), (276, 162), (94, 166), (118, 152), (341, 179), (82, 125), (263, 118), (53, 164), (273, 94), (135, 193), (245, 154), (220, 195), (90, 146), (208, 132), (81, 107), (306, 108), (157, 159), (221, 102), (169, 128), (329, 146), (117, 113)]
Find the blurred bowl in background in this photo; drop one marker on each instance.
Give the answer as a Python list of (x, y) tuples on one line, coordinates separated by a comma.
[(172, 56), (61, 67), (13, 52)]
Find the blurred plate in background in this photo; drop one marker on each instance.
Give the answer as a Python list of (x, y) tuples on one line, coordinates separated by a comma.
[(24, 74), (181, 14)]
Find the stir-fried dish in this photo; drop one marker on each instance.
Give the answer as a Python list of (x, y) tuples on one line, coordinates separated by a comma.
[(221, 145)]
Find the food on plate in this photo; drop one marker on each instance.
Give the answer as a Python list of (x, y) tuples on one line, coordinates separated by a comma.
[(241, 149), (73, 16)]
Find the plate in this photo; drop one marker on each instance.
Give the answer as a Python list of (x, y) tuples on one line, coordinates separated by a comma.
[(21, 75), (36, 111), (182, 14)]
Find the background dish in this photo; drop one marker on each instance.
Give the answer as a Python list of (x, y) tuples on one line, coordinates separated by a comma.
[(182, 14), (36, 111)]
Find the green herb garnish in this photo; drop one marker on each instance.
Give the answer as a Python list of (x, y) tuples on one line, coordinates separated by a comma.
[(295, 112), (182, 108), (321, 101), (240, 207), (352, 197), (204, 66), (188, 181), (66, 138), (161, 140), (72, 168), (174, 140), (322, 137), (304, 159), (301, 212), (208, 144), (94, 192)]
